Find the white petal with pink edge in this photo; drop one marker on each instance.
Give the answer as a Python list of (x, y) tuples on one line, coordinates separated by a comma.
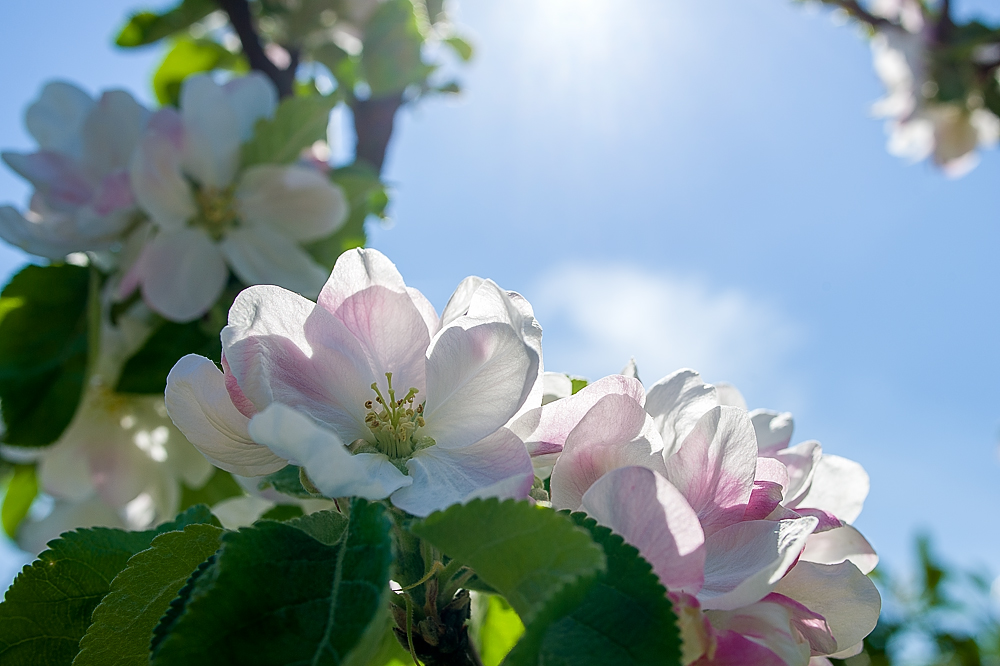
[(844, 596), (298, 201), (496, 466), (155, 172), (326, 460), (774, 430), (676, 402), (840, 544), (199, 405), (650, 514), (744, 562)]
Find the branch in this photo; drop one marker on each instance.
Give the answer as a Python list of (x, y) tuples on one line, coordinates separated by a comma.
[(373, 121), (856, 11), (242, 22)]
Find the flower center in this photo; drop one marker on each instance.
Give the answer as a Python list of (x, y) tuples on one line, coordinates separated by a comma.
[(394, 422), (216, 211)]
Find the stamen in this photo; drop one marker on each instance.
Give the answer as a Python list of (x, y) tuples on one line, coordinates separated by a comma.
[(395, 425)]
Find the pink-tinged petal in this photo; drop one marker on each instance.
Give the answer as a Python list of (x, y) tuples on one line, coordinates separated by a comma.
[(844, 596), (260, 255), (649, 513), (426, 310), (772, 471), (676, 402), (211, 132), (199, 405), (531, 332), (42, 238), (478, 375), (240, 400), (545, 429), (158, 183), (55, 118), (764, 498), (326, 460), (298, 201), (56, 177), (715, 466), (393, 335), (183, 274), (845, 653), (838, 545), (732, 649), (442, 477), (113, 194), (281, 347), (839, 486), (820, 661), (813, 626), (729, 395), (615, 432), (111, 131), (252, 97), (697, 635), (458, 304), (355, 271), (827, 521), (800, 461), (743, 562), (766, 623), (774, 430)]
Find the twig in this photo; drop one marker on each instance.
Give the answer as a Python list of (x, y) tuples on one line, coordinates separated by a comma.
[(373, 123), (242, 22)]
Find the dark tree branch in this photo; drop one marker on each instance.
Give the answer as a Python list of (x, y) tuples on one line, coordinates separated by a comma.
[(242, 22), (856, 11), (373, 122), (944, 24)]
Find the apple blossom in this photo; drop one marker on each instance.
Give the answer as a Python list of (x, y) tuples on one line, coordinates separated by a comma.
[(210, 215), (697, 487), (82, 199), (367, 389)]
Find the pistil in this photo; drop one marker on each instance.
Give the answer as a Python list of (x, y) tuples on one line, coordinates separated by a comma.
[(395, 423)]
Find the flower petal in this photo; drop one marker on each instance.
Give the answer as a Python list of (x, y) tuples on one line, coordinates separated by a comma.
[(211, 132), (728, 394), (800, 461), (260, 255), (844, 596), (649, 513), (458, 304), (774, 430), (733, 649), (183, 274), (56, 177), (252, 97), (556, 386), (615, 432), (766, 623), (442, 477), (298, 201), (744, 562), (840, 544), (155, 172), (715, 467), (56, 117), (839, 486), (111, 132), (355, 271), (199, 405), (283, 348), (36, 238), (676, 402), (330, 466)]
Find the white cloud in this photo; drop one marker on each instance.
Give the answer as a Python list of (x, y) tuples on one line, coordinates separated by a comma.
[(597, 316)]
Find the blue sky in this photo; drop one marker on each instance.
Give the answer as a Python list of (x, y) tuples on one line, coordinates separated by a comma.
[(693, 183)]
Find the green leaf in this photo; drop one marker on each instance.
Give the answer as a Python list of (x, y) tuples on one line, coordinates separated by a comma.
[(47, 609), (43, 351), (461, 47), (499, 631), (525, 552), (283, 513), (21, 492), (343, 66), (579, 383), (286, 480), (276, 595), (146, 371), (147, 27), (124, 620), (191, 56), (298, 123), (324, 526), (221, 485), (390, 56), (621, 616), (366, 196)]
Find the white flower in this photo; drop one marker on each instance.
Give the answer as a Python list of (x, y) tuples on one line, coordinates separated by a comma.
[(82, 198), (210, 216), (368, 389)]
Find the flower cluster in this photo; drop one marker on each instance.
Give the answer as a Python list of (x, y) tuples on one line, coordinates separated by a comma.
[(164, 197), (375, 395), (922, 120)]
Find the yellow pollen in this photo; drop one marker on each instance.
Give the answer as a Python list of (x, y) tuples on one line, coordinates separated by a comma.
[(216, 211), (394, 427)]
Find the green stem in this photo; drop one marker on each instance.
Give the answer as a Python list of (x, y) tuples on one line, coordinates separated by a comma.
[(93, 322)]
